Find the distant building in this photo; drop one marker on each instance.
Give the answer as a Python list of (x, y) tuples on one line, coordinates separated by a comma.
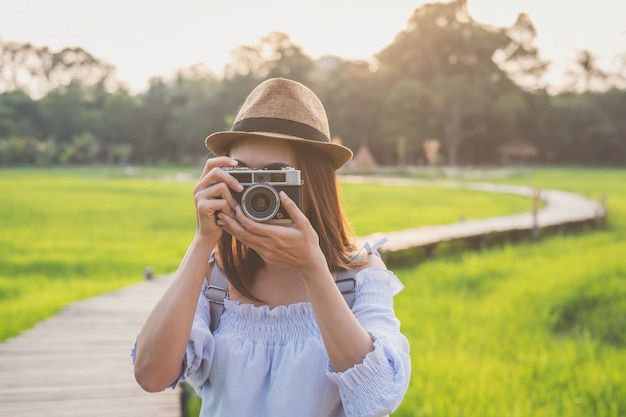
[(517, 151), (364, 160)]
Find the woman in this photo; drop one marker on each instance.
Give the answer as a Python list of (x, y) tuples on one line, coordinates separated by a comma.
[(287, 343)]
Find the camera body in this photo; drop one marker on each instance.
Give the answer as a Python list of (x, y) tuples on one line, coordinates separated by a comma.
[(259, 199)]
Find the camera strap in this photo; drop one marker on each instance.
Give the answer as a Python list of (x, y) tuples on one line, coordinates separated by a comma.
[(216, 292)]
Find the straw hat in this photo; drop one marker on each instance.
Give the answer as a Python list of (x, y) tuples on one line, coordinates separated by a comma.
[(283, 109)]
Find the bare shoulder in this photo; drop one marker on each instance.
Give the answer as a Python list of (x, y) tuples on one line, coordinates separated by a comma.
[(372, 261)]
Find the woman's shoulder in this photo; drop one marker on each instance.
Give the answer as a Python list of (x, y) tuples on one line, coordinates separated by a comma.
[(372, 274), (368, 256), (371, 260)]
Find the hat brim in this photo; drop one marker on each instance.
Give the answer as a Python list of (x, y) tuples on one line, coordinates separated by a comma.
[(220, 142)]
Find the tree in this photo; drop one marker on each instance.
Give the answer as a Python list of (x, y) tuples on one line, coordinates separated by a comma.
[(586, 73), (38, 70), (450, 56), (20, 115), (155, 115), (123, 130), (404, 125), (67, 112), (274, 56), (85, 148), (351, 100), (520, 57), (194, 112)]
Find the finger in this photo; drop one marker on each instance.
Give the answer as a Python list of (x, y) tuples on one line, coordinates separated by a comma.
[(299, 219), (224, 176), (220, 161), (213, 172), (208, 208), (217, 191), (236, 229), (247, 224), (251, 232), (218, 175), (230, 223)]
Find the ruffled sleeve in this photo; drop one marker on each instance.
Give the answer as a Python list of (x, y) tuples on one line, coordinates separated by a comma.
[(377, 386), (200, 348)]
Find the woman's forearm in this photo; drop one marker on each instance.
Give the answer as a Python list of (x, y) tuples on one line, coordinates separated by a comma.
[(346, 341), (163, 339)]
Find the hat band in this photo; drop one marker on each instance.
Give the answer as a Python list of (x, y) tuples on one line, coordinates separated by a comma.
[(282, 126)]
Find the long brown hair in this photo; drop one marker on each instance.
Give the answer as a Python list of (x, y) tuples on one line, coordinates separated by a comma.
[(321, 205)]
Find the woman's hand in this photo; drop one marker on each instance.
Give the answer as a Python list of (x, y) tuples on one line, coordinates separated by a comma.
[(294, 245), (212, 195)]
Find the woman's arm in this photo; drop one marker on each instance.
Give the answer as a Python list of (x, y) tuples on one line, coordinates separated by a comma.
[(346, 341), (163, 339), (378, 385)]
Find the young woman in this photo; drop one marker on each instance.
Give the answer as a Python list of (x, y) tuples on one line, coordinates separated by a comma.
[(287, 343)]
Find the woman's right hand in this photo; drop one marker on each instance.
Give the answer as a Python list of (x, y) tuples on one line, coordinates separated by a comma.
[(212, 195)]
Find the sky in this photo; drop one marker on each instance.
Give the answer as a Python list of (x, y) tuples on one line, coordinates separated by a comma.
[(143, 39)]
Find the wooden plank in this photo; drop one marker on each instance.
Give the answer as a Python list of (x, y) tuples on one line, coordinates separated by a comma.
[(78, 362)]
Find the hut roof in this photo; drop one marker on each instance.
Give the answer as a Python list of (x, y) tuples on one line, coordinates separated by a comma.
[(519, 149), (363, 160)]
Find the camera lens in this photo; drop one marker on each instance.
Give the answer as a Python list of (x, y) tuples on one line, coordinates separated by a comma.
[(260, 202)]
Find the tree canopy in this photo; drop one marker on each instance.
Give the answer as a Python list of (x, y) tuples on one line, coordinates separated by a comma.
[(473, 87)]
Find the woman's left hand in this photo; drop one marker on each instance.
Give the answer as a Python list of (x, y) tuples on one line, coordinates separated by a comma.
[(292, 246)]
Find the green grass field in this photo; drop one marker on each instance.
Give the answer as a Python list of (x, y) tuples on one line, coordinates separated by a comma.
[(527, 330), (72, 233), (373, 208), (67, 235)]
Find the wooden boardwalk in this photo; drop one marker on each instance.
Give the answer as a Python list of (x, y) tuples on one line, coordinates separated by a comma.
[(77, 363), (560, 208)]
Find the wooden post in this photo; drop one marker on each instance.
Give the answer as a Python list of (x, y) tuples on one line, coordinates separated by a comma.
[(536, 202), (600, 221), (478, 242), (431, 250), (148, 273)]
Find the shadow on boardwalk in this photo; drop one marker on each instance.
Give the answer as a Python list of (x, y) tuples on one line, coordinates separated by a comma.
[(77, 363)]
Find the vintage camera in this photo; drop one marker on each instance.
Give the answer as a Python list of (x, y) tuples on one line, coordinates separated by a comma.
[(259, 199)]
